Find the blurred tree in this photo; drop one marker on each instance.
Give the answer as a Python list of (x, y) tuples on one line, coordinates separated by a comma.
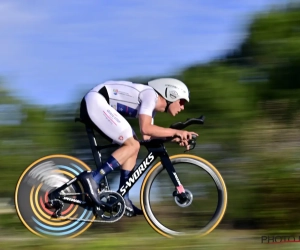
[(271, 52), (272, 48), (26, 135)]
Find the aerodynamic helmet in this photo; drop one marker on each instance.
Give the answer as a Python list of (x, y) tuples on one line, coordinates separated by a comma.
[(171, 89)]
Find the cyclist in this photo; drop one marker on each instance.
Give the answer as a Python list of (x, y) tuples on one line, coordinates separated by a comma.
[(108, 104)]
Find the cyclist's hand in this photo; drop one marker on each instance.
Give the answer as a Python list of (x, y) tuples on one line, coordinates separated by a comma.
[(185, 135), (183, 143)]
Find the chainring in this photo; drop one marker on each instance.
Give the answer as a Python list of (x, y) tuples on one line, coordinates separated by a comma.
[(107, 214)]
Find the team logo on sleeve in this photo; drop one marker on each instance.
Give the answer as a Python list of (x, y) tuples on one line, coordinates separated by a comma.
[(126, 111)]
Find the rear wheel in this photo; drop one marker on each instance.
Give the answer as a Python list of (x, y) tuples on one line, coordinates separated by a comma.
[(31, 194), (206, 197)]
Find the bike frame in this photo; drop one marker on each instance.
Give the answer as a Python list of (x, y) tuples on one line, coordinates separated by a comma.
[(156, 149)]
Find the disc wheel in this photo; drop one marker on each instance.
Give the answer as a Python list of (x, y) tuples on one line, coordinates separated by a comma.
[(206, 199), (31, 194)]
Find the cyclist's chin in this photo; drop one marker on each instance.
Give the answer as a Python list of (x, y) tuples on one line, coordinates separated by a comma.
[(173, 112)]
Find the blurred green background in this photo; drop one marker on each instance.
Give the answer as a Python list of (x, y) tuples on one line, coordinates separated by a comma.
[(251, 99)]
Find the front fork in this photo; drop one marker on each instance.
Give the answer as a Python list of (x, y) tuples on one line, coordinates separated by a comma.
[(179, 189)]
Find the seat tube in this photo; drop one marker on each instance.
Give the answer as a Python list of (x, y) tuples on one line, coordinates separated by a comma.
[(95, 151), (93, 144)]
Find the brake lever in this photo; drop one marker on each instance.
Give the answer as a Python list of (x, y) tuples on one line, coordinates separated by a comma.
[(192, 143)]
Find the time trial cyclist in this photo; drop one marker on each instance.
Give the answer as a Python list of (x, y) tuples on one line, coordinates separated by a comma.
[(107, 106)]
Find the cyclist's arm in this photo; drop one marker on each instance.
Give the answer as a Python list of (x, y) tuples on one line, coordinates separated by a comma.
[(148, 101), (146, 137), (152, 130)]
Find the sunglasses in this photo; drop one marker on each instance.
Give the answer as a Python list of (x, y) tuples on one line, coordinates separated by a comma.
[(182, 102)]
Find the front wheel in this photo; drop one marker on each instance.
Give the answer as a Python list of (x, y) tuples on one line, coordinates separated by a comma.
[(206, 191)]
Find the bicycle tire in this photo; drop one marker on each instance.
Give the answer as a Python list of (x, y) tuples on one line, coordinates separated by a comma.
[(156, 170), (31, 191)]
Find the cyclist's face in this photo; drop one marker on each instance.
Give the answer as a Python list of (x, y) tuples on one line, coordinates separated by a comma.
[(176, 107)]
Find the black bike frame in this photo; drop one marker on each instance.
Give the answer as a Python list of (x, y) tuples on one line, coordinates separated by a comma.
[(155, 148)]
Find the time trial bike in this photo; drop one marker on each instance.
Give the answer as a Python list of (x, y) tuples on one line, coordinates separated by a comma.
[(181, 194)]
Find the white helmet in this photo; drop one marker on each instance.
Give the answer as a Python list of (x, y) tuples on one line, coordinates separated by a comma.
[(171, 89)]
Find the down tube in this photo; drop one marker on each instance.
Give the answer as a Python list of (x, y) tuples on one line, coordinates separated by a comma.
[(137, 173)]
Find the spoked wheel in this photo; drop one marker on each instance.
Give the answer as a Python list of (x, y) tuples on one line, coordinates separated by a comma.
[(31, 195), (199, 213)]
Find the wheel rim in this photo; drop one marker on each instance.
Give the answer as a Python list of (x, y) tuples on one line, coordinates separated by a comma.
[(165, 219)]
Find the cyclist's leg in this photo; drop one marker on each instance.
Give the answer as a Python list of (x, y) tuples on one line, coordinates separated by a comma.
[(124, 176), (116, 127), (126, 169), (127, 153)]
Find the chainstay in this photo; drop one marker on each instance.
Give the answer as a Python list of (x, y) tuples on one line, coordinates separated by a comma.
[(97, 221)]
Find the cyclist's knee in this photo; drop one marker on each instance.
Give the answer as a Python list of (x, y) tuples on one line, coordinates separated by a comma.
[(136, 147), (133, 144)]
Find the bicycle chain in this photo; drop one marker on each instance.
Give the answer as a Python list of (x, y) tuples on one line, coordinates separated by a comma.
[(101, 221)]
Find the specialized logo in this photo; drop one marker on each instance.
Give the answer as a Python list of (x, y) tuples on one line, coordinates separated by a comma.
[(74, 200), (177, 179), (137, 174)]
